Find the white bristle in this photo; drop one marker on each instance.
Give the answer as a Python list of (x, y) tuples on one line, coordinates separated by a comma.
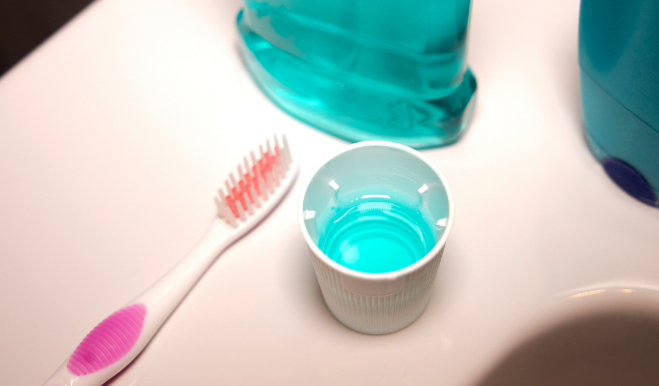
[(261, 150), (219, 206), (233, 181), (241, 175), (286, 151), (287, 166), (262, 188), (222, 209), (268, 179), (241, 211), (257, 200), (228, 214), (228, 186), (230, 217), (276, 172), (257, 172), (248, 168), (283, 165), (250, 207), (267, 141), (253, 157)]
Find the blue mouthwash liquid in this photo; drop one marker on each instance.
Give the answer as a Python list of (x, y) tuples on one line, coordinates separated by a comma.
[(376, 232), (367, 69)]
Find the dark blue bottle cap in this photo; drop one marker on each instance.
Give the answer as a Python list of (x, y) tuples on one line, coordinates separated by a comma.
[(630, 180)]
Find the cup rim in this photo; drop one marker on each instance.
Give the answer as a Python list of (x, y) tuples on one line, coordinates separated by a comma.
[(439, 245)]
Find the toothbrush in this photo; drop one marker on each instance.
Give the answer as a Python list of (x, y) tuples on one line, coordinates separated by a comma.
[(118, 339)]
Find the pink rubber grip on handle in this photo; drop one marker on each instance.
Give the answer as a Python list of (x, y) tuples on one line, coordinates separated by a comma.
[(109, 341)]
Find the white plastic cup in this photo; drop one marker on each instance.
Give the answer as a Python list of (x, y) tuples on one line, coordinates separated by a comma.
[(375, 303)]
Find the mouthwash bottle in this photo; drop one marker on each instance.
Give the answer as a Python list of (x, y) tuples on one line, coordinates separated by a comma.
[(364, 69)]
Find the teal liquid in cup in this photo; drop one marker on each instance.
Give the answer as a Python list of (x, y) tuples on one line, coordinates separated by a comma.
[(376, 217), (376, 231), (364, 70)]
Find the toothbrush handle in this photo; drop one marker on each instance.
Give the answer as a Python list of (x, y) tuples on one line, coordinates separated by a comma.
[(118, 339)]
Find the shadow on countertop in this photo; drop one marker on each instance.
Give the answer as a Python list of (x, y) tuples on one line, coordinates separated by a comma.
[(605, 349)]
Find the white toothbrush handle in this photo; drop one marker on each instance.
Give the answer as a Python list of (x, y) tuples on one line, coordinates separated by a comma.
[(117, 340)]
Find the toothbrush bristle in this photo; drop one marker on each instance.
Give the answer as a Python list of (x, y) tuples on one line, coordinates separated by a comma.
[(255, 183)]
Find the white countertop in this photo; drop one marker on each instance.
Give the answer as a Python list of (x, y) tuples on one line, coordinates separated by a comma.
[(116, 131)]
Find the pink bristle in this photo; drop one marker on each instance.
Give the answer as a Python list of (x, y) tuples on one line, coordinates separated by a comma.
[(242, 193), (231, 203), (257, 181)]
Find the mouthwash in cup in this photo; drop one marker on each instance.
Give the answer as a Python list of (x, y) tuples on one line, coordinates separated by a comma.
[(376, 217), (376, 230)]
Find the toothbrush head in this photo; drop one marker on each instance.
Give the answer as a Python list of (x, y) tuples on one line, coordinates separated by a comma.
[(258, 179)]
